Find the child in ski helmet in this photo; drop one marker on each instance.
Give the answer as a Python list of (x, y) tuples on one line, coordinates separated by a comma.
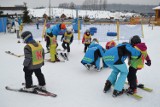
[(137, 64), (34, 60), (67, 39), (86, 39)]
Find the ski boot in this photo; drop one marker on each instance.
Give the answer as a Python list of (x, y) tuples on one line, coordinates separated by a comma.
[(117, 93), (43, 88), (107, 86), (131, 91), (87, 66), (57, 59), (97, 69), (32, 89)]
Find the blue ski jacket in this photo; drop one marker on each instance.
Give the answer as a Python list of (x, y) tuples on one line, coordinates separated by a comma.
[(119, 53)]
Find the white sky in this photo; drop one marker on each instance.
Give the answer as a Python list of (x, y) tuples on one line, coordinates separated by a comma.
[(38, 3)]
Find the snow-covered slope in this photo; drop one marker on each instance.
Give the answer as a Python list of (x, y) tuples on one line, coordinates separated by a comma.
[(75, 86), (72, 13)]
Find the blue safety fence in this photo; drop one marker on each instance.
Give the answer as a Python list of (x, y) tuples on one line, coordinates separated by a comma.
[(3, 24)]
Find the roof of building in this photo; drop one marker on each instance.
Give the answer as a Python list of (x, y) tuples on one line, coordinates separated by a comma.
[(156, 8), (13, 8)]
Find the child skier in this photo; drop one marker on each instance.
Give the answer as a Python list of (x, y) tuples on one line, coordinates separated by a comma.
[(114, 58), (86, 39), (92, 55), (67, 39), (34, 60), (135, 64)]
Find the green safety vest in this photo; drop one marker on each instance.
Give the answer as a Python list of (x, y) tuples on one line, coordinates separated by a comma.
[(37, 57), (139, 63), (53, 40)]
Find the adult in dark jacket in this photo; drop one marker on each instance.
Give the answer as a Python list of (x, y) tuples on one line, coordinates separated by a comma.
[(33, 61)]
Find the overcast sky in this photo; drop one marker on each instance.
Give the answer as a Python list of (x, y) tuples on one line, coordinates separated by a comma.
[(38, 3)]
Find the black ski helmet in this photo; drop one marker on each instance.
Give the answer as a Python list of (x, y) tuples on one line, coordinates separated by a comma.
[(26, 36), (135, 40)]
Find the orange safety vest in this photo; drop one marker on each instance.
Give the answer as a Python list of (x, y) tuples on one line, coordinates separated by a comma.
[(87, 39)]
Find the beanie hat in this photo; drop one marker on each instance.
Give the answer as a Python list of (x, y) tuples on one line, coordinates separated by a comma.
[(95, 40), (110, 44), (27, 36), (62, 26)]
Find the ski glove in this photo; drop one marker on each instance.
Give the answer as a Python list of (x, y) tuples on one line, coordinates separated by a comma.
[(148, 63)]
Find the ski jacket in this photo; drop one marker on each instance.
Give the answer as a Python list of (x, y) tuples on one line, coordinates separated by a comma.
[(119, 53), (89, 57), (56, 30), (139, 63), (49, 31), (34, 55)]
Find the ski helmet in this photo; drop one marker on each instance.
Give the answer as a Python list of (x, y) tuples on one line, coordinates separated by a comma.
[(135, 40), (110, 44), (27, 36), (69, 30)]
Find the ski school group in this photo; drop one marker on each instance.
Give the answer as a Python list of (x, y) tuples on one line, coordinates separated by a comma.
[(113, 56)]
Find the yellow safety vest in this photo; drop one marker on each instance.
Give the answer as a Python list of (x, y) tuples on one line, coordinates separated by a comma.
[(67, 37), (37, 56)]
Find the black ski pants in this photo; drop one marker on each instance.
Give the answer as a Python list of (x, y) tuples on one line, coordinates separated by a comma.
[(28, 77), (66, 45), (85, 47), (132, 78)]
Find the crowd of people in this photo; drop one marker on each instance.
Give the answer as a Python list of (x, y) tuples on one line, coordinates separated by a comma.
[(113, 56)]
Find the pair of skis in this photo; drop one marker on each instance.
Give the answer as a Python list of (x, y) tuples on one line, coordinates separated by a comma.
[(140, 86), (36, 91), (64, 56)]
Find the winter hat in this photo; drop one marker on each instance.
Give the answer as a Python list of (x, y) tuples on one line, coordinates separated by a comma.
[(27, 36), (110, 44), (69, 30), (135, 40), (62, 26), (87, 32), (95, 40)]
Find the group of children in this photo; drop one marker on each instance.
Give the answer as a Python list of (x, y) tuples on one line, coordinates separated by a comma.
[(113, 56), (51, 39)]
